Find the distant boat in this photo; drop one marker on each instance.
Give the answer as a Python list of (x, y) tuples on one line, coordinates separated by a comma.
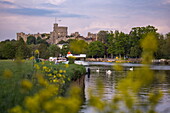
[(131, 69), (108, 72), (98, 70)]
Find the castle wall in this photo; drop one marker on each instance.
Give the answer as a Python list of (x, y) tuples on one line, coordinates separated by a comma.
[(59, 33)]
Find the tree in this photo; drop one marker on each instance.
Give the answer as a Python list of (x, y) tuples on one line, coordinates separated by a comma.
[(95, 49), (136, 35), (62, 42), (161, 46), (110, 45), (54, 50), (118, 44), (65, 50), (43, 49), (166, 48), (102, 36), (8, 49), (39, 40), (22, 51), (78, 46), (31, 40)]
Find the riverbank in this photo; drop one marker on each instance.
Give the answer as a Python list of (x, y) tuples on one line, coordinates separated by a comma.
[(20, 80), (129, 60)]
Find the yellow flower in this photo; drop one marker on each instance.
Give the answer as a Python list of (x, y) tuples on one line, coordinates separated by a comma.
[(16, 109), (59, 75), (7, 73), (44, 67), (37, 66), (36, 51), (68, 79), (50, 74), (42, 63), (55, 72), (31, 58), (67, 65), (63, 81), (64, 71), (60, 71), (55, 80), (32, 103), (26, 84)]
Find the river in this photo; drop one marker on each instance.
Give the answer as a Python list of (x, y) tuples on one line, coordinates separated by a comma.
[(110, 82)]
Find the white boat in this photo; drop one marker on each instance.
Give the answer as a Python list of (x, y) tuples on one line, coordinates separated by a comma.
[(78, 62)]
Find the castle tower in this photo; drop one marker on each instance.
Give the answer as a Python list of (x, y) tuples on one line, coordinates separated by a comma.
[(55, 28)]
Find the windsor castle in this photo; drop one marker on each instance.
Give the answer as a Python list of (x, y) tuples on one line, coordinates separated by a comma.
[(59, 33)]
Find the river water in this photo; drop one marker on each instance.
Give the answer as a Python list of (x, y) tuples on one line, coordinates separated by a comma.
[(110, 83)]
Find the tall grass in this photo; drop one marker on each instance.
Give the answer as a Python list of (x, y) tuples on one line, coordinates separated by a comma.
[(27, 87)]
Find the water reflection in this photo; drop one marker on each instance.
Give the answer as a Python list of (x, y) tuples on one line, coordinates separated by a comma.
[(110, 83)]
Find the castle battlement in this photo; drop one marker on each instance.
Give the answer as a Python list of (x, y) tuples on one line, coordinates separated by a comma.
[(59, 33)]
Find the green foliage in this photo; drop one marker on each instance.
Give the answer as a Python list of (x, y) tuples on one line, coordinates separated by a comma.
[(38, 89), (8, 49), (11, 74), (54, 50), (71, 59), (96, 49), (65, 50), (22, 49), (78, 46), (31, 40), (42, 35), (43, 49), (62, 42), (102, 36)]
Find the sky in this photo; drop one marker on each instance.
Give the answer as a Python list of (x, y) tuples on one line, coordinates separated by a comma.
[(33, 16)]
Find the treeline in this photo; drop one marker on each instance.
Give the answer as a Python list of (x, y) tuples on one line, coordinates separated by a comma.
[(109, 44), (129, 45)]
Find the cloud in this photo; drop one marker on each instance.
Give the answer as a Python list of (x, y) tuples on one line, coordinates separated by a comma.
[(166, 2), (55, 2), (29, 11)]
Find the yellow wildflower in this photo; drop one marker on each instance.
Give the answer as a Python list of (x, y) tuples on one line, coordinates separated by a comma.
[(59, 75), (42, 63), (64, 71), (55, 72), (26, 84), (32, 103), (68, 79), (31, 58), (63, 81), (55, 80), (50, 74), (37, 66), (67, 65), (7, 73), (44, 67), (60, 71), (37, 52), (16, 109)]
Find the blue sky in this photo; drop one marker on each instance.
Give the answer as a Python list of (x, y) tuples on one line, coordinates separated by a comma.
[(33, 16)]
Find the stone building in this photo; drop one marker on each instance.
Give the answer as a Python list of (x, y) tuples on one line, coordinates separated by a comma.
[(92, 36), (25, 36), (59, 33)]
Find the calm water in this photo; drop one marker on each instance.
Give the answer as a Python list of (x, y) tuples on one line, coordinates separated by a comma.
[(110, 83)]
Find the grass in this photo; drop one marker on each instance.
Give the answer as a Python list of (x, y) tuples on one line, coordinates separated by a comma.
[(12, 73)]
